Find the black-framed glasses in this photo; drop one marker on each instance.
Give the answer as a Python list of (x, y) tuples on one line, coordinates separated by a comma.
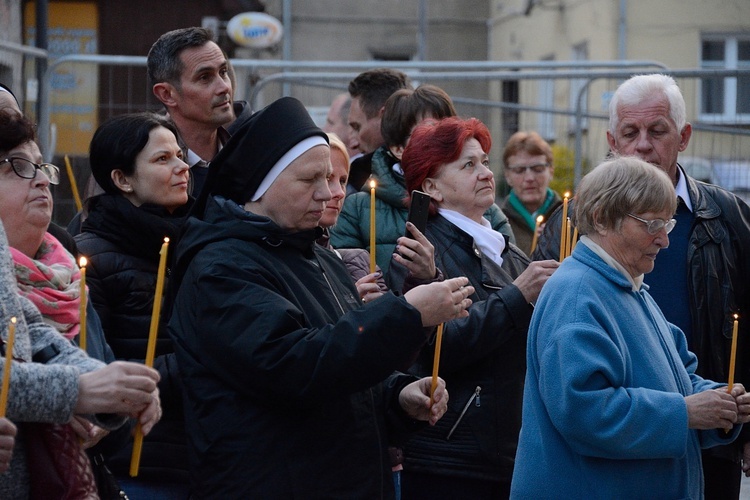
[(537, 168), (26, 169), (656, 225)]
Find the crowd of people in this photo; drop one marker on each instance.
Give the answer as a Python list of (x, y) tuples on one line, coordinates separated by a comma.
[(464, 359)]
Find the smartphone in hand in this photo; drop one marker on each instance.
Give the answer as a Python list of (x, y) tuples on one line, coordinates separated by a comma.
[(418, 211)]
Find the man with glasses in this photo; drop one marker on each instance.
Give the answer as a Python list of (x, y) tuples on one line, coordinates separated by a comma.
[(703, 278), (528, 169)]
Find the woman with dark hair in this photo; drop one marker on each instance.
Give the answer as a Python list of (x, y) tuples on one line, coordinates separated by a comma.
[(470, 452), (138, 162), (52, 386)]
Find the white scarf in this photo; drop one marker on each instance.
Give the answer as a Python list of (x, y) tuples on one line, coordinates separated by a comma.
[(490, 242)]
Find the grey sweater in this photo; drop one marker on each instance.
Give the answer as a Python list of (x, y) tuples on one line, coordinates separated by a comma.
[(38, 392)]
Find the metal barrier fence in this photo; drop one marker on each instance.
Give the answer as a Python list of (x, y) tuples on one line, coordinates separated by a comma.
[(508, 96)]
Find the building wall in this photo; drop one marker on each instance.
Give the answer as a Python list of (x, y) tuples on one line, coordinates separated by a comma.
[(667, 31), (11, 63)]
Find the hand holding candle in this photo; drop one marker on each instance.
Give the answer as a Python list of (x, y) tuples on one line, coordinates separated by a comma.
[(372, 226), (6, 368), (135, 458), (82, 308)]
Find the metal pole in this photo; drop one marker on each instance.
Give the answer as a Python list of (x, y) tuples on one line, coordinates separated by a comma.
[(287, 47), (42, 42), (422, 35)]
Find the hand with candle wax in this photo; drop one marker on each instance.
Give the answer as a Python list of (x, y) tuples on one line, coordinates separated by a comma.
[(415, 400), (121, 387), (441, 301)]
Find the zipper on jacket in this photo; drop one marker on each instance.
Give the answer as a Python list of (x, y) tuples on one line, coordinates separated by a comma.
[(333, 292), (477, 402)]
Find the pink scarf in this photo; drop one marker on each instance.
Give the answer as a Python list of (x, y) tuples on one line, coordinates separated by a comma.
[(52, 282)]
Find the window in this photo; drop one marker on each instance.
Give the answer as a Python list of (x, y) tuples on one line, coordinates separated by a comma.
[(725, 99)]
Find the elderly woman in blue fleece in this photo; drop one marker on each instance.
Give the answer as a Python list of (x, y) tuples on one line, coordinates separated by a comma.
[(612, 405)]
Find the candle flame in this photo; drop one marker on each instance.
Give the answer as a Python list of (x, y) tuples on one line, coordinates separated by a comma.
[(13, 319), (539, 219), (166, 240), (83, 262), (372, 184), (736, 316), (567, 194)]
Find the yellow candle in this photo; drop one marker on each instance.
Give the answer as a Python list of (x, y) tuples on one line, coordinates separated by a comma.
[(575, 239), (6, 368), (73, 184), (82, 307), (539, 220), (563, 235), (436, 361), (372, 226), (135, 458), (567, 238), (733, 355)]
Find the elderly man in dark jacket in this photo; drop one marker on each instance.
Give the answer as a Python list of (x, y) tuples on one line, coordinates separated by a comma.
[(702, 279)]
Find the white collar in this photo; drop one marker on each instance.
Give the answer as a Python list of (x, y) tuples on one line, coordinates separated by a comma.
[(490, 242), (681, 189)]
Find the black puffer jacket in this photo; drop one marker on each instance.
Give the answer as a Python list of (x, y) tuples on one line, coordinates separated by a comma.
[(282, 365), (483, 362), (718, 280), (122, 243)]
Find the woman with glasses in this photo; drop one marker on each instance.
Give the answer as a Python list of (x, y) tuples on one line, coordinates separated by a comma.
[(138, 162), (613, 407), (528, 169), (47, 276)]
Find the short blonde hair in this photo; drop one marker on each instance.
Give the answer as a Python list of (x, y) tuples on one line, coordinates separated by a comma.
[(336, 143), (616, 187)]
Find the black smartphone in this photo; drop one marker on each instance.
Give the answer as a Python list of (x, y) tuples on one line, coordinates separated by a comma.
[(418, 211)]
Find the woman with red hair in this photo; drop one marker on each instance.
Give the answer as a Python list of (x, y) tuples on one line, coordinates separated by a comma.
[(470, 452)]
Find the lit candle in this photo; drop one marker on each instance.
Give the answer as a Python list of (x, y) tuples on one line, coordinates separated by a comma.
[(567, 238), (733, 355), (563, 235), (82, 306), (436, 361), (135, 458), (6, 368), (372, 226), (539, 220)]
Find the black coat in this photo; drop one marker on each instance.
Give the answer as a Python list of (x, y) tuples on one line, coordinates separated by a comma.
[(282, 365), (122, 243), (486, 350), (718, 281)]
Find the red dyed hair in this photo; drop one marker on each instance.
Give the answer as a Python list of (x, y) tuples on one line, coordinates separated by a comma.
[(435, 143)]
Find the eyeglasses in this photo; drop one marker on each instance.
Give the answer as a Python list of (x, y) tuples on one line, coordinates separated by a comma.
[(656, 225), (26, 169), (537, 168)]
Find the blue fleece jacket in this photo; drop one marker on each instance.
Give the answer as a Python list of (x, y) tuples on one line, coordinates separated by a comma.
[(604, 414)]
